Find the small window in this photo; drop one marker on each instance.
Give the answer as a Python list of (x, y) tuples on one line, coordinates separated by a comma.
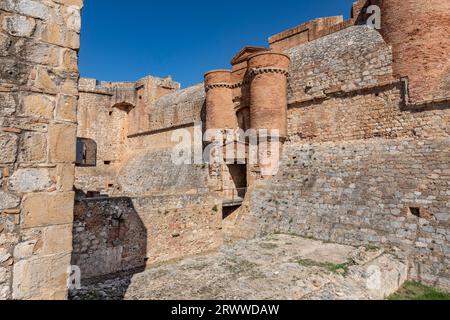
[(86, 153)]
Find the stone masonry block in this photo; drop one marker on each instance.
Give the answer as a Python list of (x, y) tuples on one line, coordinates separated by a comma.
[(38, 105), (41, 278), (30, 180), (8, 200), (44, 241), (62, 142), (33, 147), (8, 147), (31, 8), (7, 104), (66, 108), (19, 26), (46, 209), (65, 177)]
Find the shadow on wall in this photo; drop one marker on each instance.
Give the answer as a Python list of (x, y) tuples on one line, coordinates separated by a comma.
[(109, 239)]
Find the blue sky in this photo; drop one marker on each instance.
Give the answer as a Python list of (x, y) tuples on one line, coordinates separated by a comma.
[(127, 40)]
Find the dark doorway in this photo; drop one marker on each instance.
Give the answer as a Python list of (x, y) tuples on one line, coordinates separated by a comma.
[(238, 173)]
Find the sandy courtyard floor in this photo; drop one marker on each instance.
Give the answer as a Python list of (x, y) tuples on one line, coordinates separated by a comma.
[(274, 267)]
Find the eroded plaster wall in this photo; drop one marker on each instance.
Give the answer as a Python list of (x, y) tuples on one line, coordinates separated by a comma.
[(39, 42)]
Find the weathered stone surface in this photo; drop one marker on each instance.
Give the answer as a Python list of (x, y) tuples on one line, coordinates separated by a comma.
[(54, 33), (40, 53), (44, 79), (25, 249), (361, 164), (116, 234), (15, 72), (5, 44), (70, 60), (41, 278), (4, 291), (28, 7), (19, 26), (65, 176), (46, 209), (275, 267), (33, 147), (8, 145), (165, 175), (343, 56), (7, 104), (4, 274), (38, 67), (352, 193), (4, 255), (66, 108), (30, 180), (39, 106), (45, 241), (62, 142)]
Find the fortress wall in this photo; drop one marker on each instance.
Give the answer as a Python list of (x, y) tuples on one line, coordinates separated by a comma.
[(149, 167), (177, 109), (117, 234), (39, 42), (350, 59), (153, 171), (361, 166), (165, 209), (418, 32), (360, 192), (365, 114), (147, 91), (107, 126), (180, 225)]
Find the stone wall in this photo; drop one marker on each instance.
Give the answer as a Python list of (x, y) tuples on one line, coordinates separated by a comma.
[(364, 114), (361, 165), (153, 171), (107, 125), (39, 42), (117, 234), (157, 210), (347, 60), (148, 91), (109, 237), (361, 192), (181, 108)]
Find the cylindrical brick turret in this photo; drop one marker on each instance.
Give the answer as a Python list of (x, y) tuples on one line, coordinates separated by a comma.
[(219, 101), (419, 32), (268, 91)]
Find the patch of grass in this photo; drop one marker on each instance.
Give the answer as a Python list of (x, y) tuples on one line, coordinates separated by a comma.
[(243, 267), (372, 247), (198, 266), (413, 290), (341, 269)]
